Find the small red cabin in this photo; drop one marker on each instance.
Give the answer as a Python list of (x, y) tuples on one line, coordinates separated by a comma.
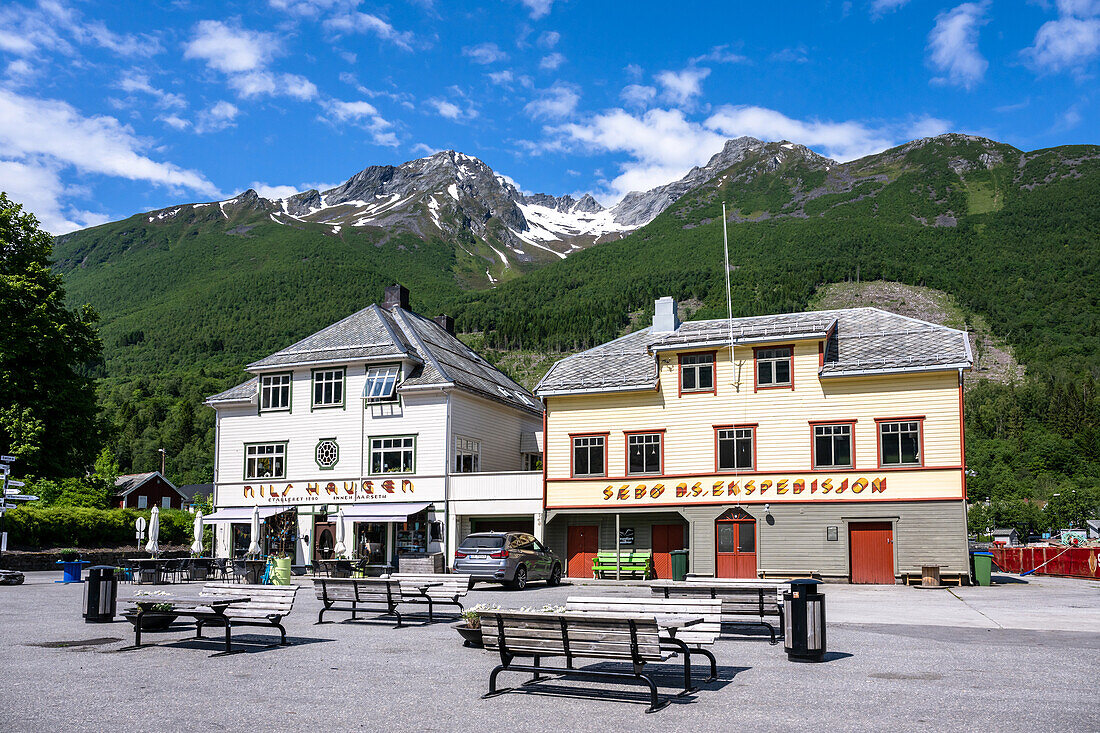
[(146, 490)]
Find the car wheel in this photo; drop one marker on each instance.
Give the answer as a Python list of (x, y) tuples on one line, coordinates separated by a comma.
[(519, 582), (555, 576)]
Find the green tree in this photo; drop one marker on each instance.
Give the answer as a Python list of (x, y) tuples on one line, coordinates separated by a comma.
[(47, 397)]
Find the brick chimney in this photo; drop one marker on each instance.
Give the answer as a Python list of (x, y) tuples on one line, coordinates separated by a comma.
[(446, 323), (397, 296)]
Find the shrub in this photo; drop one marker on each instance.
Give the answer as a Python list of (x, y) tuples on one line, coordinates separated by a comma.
[(41, 527)]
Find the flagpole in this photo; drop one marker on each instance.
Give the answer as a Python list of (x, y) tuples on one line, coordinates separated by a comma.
[(729, 324)]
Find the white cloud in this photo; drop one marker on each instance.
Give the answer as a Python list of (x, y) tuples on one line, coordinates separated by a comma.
[(219, 116), (19, 71), (424, 149), (273, 192), (953, 45), (500, 78), (484, 53), (134, 81), (638, 95), (41, 137), (175, 122), (549, 39), (1066, 43), (662, 145), (446, 109), (551, 61), (633, 71), (14, 43), (560, 100), (230, 48), (363, 115), (680, 88), (721, 55), (266, 83), (538, 8), (39, 189), (356, 22), (878, 7)]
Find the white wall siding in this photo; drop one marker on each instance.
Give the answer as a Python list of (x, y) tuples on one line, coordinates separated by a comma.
[(497, 427)]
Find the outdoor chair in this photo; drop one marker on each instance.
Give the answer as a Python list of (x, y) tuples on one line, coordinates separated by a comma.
[(171, 570), (183, 571)]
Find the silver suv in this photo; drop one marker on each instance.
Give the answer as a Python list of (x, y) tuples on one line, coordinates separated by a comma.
[(512, 558)]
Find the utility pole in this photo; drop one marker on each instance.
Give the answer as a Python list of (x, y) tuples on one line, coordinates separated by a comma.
[(163, 454)]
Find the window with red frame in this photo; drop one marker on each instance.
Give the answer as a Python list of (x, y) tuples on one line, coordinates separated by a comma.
[(773, 367)]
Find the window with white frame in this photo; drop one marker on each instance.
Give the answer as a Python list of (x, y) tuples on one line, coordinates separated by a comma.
[(143, 502), (643, 453), (900, 443), (166, 502), (773, 367), (381, 383), (275, 392), (467, 455), (395, 454), (265, 460), (833, 446), (328, 388), (589, 455), (697, 373), (735, 449)]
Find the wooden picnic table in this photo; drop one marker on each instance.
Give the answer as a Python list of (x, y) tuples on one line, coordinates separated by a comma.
[(179, 600), (673, 622)]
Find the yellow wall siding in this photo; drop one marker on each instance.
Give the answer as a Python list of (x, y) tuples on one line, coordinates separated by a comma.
[(783, 415)]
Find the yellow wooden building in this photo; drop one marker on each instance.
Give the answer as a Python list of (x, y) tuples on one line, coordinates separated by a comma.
[(828, 442)]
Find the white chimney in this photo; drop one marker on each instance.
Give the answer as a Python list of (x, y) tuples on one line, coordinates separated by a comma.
[(665, 319)]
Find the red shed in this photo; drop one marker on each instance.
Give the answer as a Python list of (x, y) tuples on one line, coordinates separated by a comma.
[(141, 490)]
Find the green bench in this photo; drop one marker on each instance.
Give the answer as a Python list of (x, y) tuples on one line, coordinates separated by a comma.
[(630, 564)]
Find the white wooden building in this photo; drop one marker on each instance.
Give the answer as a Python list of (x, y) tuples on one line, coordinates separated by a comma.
[(386, 416)]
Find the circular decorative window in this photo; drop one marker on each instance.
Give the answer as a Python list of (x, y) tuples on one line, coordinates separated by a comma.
[(328, 453)]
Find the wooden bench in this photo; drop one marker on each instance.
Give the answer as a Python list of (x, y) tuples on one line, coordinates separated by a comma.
[(917, 578), (697, 635), (630, 563), (348, 594), (525, 634), (450, 588), (740, 598), (788, 573), (269, 604)]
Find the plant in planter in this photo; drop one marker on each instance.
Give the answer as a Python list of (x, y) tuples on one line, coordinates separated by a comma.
[(159, 616), (470, 626), (69, 554)]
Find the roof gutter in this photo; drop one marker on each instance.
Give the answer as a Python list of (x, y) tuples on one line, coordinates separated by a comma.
[(895, 370), (596, 390)]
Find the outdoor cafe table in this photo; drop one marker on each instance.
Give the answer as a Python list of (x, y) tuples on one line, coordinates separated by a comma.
[(336, 567), (151, 566), (178, 600)]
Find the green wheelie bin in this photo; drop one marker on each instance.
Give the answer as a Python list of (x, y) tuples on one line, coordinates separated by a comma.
[(983, 566), (679, 564)]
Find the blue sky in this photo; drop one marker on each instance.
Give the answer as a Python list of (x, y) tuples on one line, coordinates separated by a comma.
[(107, 109)]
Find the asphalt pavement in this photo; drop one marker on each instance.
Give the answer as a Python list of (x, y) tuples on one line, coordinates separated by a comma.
[(1019, 656)]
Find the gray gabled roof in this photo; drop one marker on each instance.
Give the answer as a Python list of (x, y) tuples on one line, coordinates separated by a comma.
[(367, 335), (243, 392), (377, 334), (128, 482), (859, 341)]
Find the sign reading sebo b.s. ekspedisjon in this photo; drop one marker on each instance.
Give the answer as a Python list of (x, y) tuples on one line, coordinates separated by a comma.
[(806, 487)]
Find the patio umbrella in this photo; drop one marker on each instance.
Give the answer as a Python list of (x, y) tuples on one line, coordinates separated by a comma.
[(196, 546), (254, 542), (340, 548), (154, 533)]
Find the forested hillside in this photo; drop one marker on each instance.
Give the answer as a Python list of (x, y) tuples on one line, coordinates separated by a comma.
[(1012, 236)]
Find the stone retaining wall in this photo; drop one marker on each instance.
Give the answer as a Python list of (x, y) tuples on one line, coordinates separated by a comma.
[(31, 561)]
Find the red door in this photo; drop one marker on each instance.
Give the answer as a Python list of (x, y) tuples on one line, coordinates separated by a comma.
[(871, 545), (736, 551), (666, 538), (583, 544)]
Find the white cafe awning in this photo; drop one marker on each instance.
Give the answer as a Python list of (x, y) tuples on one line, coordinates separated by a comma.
[(396, 512), (241, 514)]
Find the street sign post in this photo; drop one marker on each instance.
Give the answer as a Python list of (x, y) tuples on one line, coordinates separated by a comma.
[(9, 482), (21, 497), (8, 459)]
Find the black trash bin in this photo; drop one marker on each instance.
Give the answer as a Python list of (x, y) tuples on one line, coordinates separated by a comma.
[(100, 594), (804, 621)]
